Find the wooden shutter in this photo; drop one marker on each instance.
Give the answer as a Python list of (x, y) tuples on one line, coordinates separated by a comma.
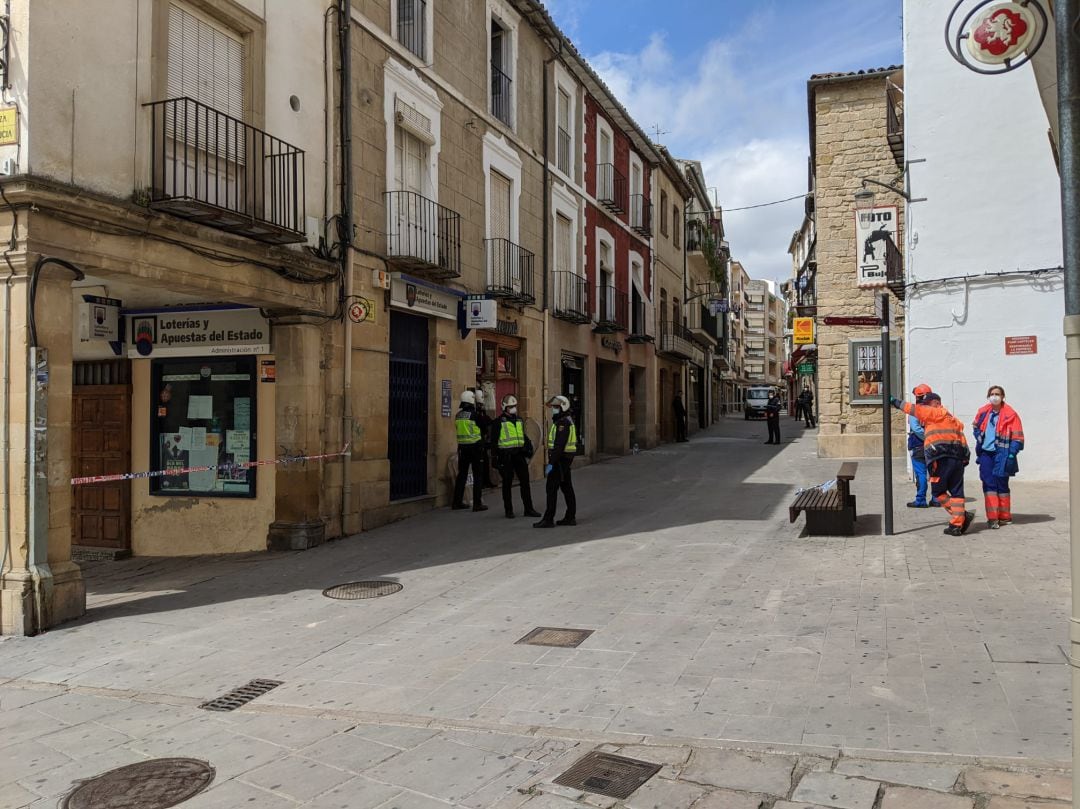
[(206, 62), (563, 110), (564, 242), (499, 213)]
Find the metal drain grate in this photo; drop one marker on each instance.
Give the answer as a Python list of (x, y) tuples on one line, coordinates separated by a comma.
[(551, 636), (605, 774), (362, 589), (240, 696), (155, 784)]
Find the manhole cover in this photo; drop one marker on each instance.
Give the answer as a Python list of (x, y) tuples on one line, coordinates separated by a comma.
[(362, 589), (550, 636), (240, 696), (605, 774), (154, 784)]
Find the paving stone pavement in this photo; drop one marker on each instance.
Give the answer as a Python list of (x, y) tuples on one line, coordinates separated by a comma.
[(715, 626)]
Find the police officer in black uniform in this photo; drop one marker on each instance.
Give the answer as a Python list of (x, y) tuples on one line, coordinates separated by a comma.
[(470, 448), (562, 444), (513, 449)]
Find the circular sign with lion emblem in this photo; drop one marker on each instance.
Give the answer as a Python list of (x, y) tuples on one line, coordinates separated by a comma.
[(1001, 33)]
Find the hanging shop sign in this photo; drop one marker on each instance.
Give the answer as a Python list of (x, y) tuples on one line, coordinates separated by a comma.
[(805, 368), (362, 310), (993, 38), (192, 333), (422, 299), (99, 319), (874, 228), (803, 331), (9, 126), (481, 313)]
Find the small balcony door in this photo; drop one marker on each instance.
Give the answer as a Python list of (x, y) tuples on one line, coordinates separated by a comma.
[(504, 268), (562, 116), (414, 233), (606, 180)]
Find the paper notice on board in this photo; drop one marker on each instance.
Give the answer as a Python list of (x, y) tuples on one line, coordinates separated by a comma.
[(200, 407), (197, 440), (185, 439), (242, 413), (202, 481), (238, 441)]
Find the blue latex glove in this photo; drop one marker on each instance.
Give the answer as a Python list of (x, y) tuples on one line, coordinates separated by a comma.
[(897, 403), (547, 470)]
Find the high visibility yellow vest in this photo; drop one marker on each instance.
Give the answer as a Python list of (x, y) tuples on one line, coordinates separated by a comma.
[(571, 442), (512, 434), (468, 431)]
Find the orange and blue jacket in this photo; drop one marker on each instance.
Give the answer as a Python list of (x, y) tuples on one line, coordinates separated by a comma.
[(1008, 438), (944, 432)]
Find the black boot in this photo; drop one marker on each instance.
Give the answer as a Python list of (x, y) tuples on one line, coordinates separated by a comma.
[(566, 521), (479, 507), (531, 512), (509, 514), (544, 524)]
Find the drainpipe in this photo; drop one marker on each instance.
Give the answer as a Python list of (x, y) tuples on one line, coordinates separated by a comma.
[(345, 44), (1066, 14), (5, 425)]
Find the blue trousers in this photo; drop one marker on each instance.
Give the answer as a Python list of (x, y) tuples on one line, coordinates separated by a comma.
[(919, 468)]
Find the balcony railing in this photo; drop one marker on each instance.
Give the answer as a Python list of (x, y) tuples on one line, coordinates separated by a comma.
[(509, 271), (641, 214), (412, 26), (676, 341), (422, 235), (894, 124), (215, 169), (562, 149), (571, 297), (501, 98), (611, 314), (610, 188), (894, 269), (639, 330), (699, 225)]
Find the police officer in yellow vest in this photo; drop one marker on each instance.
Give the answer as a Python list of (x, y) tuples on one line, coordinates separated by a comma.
[(470, 446), (513, 450), (562, 445)]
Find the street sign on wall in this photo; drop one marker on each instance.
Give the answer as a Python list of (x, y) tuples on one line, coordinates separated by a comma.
[(1028, 344)]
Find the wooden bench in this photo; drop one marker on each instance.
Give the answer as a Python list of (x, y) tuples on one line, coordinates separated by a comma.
[(832, 512)]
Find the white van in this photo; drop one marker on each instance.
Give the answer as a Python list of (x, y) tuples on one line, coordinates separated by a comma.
[(756, 399)]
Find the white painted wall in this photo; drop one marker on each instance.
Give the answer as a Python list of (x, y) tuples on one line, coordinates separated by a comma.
[(992, 204), (82, 71)]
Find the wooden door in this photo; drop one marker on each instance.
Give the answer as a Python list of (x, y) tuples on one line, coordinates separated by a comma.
[(101, 445)]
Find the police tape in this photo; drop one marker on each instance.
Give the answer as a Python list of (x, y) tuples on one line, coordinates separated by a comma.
[(162, 473)]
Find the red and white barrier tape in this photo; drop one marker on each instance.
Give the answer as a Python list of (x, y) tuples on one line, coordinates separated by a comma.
[(161, 473)]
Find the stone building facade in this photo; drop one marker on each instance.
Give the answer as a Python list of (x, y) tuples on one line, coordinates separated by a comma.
[(849, 141)]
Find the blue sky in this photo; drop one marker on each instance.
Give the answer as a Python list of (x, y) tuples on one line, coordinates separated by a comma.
[(726, 80)]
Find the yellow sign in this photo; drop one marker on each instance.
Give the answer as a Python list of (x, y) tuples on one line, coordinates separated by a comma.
[(9, 126), (804, 331)]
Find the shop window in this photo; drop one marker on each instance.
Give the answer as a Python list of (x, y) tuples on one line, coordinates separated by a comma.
[(203, 415)]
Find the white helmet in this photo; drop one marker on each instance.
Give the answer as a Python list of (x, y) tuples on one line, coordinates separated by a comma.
[(560, 402), (509, 400), (468, 397), (479, 396)]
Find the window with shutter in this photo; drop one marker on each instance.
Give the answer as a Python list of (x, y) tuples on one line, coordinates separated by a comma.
[(564, 239), (499, 215), (206, 62)]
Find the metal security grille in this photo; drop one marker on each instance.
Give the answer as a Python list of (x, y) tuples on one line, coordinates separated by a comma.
[(606, 774), (155, 784), (240, 696), (407, 447), (550, 636), (362, 589)]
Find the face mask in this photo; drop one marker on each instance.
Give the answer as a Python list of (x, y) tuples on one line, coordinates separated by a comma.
[(995, 400), (512, 411), (556, 412)]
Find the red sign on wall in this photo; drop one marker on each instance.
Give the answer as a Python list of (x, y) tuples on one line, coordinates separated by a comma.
[(1022, 345)]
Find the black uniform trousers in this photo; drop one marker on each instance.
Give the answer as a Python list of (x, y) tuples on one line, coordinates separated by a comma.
[(774, 427), (515, 464), (559, 479), (469, 456)]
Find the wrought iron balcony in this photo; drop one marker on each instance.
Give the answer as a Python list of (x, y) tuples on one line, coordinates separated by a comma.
[(639, 330), (509, 271), (422, 235), (610, 188), (705, 326), (641, 214), (611, 309), (501, 96), (700, 226), (894, 270), (676, 341), (894, 124), (571, 298), (214, 169), (562, 151)]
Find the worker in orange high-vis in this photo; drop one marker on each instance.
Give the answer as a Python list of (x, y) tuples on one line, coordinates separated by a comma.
[(999, 436), (947, 454)]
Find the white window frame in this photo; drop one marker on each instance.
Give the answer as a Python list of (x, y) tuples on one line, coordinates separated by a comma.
[(564, 203), (401, 82), (429, 31), (566, 83), (602, 126), (635, 161), (636, 274), (604, 237), (508, 19), (500, 156)]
